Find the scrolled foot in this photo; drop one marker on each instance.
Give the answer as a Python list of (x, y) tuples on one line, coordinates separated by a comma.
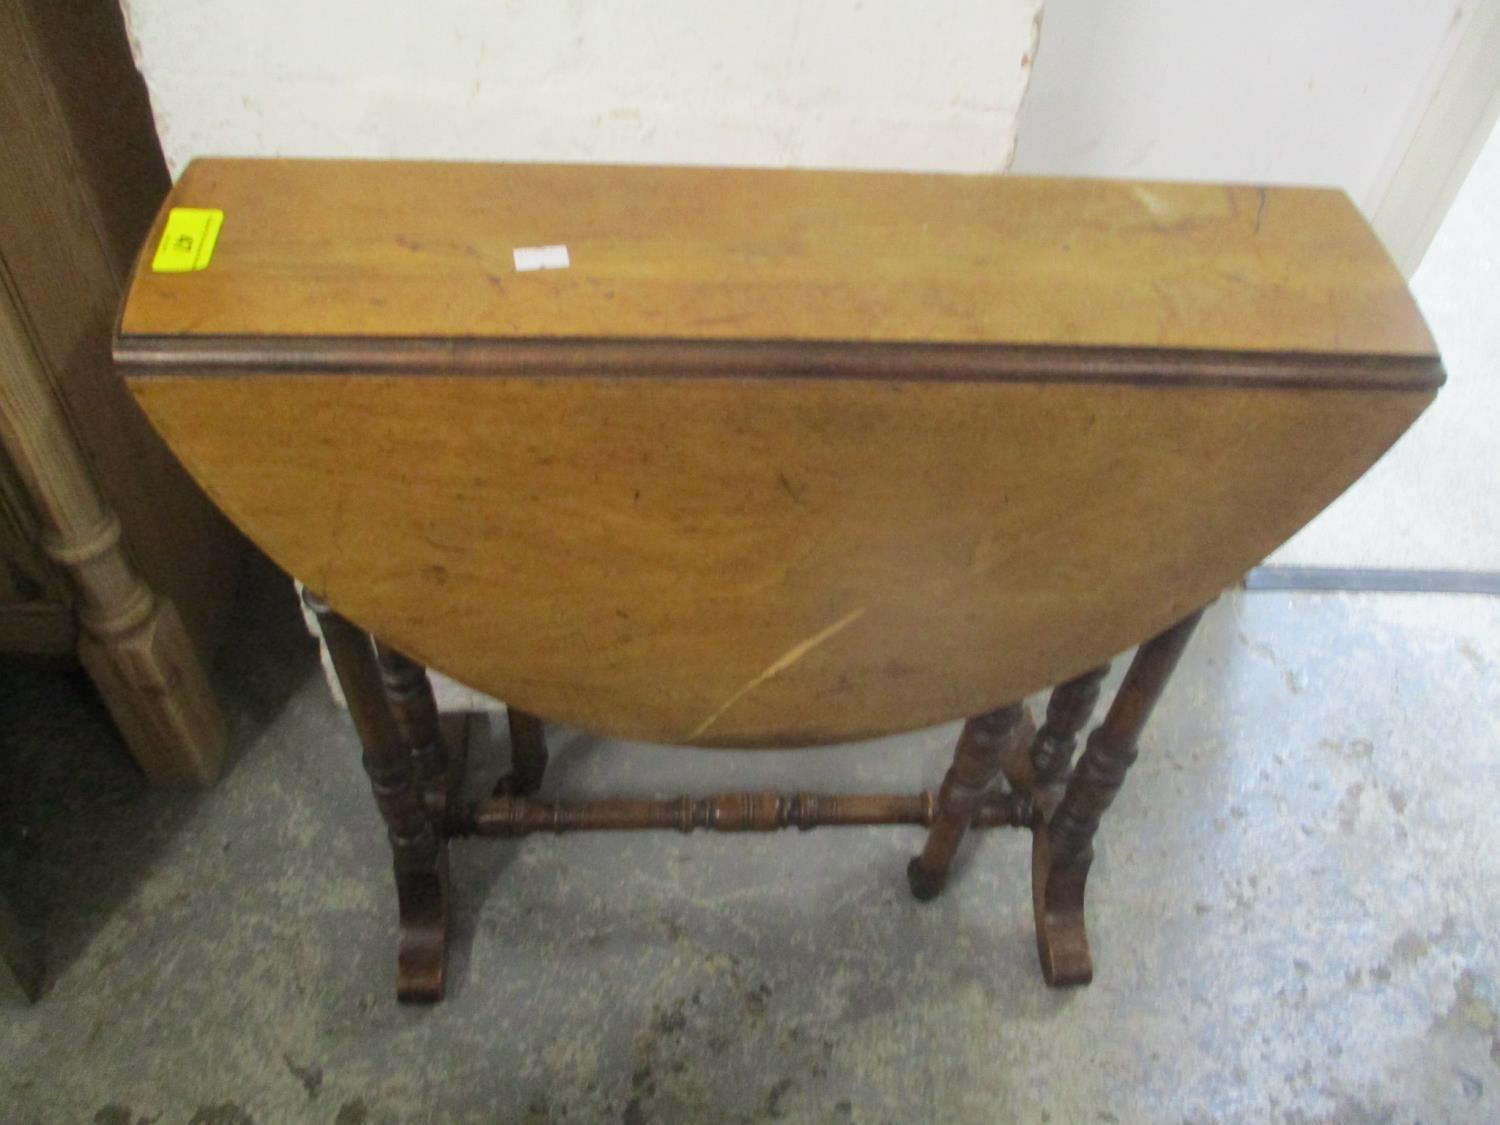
[(925, 885), (422, 953), (1062, 940)]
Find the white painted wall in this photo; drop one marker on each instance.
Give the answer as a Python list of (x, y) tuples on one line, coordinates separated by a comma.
[(846, 83), (1280, 91), (1306, 91)]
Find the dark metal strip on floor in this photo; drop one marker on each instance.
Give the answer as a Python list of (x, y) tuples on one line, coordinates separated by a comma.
[(1356, 579)]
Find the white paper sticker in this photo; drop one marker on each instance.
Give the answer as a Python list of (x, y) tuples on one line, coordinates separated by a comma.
[(541, 258)]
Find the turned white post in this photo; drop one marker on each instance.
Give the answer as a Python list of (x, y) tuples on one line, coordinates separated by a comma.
[(133, 643)]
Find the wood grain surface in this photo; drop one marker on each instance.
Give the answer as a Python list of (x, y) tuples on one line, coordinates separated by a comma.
[(350, 250), (782, 457), (723, 561)]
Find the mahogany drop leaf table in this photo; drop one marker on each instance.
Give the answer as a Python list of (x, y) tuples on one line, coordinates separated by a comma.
[(721, 457)]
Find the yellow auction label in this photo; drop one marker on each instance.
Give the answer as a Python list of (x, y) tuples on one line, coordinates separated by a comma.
[(187, 242)]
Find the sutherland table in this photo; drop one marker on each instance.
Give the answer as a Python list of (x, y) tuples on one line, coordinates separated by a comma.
[(756, 459)]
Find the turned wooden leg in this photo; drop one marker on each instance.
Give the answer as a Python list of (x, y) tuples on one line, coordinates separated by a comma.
[(418, 844), (408, 691), (1063, 848), (528, 754), (976, 761), (1045, 763)]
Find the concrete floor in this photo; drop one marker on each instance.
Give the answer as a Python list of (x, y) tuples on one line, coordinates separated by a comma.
[(1294, 917)]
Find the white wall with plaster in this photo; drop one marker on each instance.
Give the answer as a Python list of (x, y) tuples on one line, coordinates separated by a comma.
[(1265, 91), (837, 83)]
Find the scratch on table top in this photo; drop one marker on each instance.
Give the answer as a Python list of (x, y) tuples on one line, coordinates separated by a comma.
[(779, 665)]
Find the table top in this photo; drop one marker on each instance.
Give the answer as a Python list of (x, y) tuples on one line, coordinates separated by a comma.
[(835, 455), (325, 256)]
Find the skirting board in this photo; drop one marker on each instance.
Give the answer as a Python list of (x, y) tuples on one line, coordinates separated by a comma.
[(1354, 579)]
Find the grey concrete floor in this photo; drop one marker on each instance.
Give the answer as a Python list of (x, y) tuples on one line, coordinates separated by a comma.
[(1293, 911)]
